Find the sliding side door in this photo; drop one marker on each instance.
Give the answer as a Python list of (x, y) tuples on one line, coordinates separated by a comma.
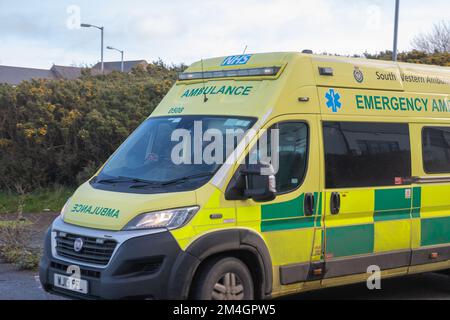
[(367, 199), (431, 214)]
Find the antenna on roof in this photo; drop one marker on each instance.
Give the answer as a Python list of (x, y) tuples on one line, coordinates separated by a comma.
[(205, 98), (245, 49)]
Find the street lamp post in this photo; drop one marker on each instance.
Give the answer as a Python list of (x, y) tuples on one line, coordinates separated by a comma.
[(87, 25), (121, 53), (397, 9)]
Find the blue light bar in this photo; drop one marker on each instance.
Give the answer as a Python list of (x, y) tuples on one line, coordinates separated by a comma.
[(234, 73)]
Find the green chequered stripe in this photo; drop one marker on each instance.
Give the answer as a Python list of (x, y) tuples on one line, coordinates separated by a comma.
[(350, 240), (290, 214), (392, 215), (416, 202), (435, 231), (392, 204), (288, 209), (287, 224)]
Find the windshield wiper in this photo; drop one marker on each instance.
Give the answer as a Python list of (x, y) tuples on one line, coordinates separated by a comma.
[(127, 179), (141, 183), (185, 178), (174, 181)]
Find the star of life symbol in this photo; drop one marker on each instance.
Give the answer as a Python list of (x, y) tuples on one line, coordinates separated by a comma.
[(333, 102)]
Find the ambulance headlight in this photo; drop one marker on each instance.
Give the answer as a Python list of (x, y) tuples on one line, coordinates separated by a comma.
[(169, 219)]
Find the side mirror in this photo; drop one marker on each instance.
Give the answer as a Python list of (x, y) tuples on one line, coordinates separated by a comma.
[(260, 182)]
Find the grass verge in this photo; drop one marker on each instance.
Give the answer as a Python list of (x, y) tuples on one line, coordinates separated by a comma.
[(40, 200)]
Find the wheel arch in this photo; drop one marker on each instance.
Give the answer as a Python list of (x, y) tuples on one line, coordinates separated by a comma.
[(242, 243)]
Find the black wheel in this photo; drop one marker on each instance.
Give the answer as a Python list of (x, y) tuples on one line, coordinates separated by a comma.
[(224, 279), (447, 272)]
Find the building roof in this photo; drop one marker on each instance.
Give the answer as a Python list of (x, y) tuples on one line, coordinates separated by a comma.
[(69, 73), (15, 75), (115, 65)]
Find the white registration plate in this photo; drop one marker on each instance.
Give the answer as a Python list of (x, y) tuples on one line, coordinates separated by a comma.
[(70, 283)]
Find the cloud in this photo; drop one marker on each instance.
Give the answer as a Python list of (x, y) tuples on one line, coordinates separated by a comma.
[(185, 31)]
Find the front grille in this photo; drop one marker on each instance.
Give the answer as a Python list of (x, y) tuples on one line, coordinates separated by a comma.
[(94, 251), (83, 272)]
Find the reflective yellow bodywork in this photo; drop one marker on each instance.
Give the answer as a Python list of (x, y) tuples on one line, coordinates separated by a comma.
[(401, 93)]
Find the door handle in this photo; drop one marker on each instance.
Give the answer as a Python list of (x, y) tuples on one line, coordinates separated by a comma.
[(335, 203), (308, 204)]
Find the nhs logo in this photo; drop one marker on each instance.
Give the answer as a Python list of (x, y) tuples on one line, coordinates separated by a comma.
[(236, 60)]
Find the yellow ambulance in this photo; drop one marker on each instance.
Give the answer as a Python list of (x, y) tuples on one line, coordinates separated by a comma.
[(361, 184)]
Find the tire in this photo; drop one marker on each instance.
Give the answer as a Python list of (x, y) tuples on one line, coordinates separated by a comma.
[(446, 272), (223, 278)]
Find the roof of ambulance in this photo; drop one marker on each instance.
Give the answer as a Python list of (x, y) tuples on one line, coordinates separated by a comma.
[(407, 76), (275, 58), (299, 76)]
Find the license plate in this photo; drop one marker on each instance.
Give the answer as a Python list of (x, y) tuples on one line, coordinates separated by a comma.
[(70, 283)]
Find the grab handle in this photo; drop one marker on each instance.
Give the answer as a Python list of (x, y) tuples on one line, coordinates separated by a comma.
[(309, 204), (335, 203)]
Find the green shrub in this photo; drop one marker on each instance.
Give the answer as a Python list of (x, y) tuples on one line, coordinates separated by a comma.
[(23, 258), (61, 131), (15, 244), (414, 56)]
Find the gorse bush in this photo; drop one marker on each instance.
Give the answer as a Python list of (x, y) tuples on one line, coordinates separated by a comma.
[(61, 131)]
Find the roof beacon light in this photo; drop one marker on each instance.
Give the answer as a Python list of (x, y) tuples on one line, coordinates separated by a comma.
[(233, 73), (326, 71)]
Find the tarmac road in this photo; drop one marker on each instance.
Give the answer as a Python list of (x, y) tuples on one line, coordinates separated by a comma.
[(20, 285), (427, 286)]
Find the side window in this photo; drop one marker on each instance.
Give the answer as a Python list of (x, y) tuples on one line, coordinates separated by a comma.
[(365, 154), (436, 149), (292, 154)]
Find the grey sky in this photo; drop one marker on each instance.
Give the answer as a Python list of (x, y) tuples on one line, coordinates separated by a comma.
[(36, 33)]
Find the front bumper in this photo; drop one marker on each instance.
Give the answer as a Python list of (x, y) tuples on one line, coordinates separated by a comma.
[(151, 266)]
